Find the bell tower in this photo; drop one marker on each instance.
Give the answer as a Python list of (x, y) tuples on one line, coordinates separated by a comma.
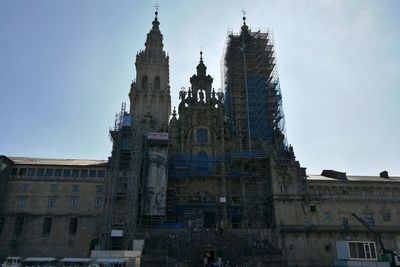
[(150, 94)]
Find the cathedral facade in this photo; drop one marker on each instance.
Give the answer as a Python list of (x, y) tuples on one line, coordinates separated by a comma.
[(215, 180)]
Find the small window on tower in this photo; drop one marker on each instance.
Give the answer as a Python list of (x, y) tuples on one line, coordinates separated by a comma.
[(157, 83), (145, 82)]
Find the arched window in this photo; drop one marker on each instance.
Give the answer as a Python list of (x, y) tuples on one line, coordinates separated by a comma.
[(157, 83), (202, 136), (145, 82)]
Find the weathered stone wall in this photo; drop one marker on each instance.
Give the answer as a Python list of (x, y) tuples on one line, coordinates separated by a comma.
[(310, 224), (31, 242), (29, 202)]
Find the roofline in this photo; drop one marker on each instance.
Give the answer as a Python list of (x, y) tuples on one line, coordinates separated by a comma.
[(360, 175), (393, 179), (31, 161), (7, 158)]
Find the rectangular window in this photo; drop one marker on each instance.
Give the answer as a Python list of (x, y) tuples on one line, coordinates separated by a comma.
[(18, 225), (73, 225), (98, 203), (21, 201), (313, 208), (328, 215), (67, 173), (307, 223), (31, 172), (49, 172), (84, 173), (353, 249), (40, 172), (101, 173), (387, 216), (14, 171), (362, 250), (74, 203), (345, 223), (51, 202), (22, 172), (369, 218), (54, 188), (47, 222), (92, 173), (75, 188), (99, 188), (24, 187), (57, 172), (75, 173)]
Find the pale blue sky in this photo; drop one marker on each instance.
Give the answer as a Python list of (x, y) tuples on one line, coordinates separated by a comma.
[(66, 66)]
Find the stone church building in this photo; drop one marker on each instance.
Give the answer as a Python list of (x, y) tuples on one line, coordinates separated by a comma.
[(215, 179)]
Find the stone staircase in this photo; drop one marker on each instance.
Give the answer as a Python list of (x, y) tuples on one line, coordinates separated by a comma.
[(154, 252), (184, 248)]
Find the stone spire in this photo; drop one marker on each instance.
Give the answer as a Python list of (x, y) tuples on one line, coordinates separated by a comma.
[(151, 99), (154, 37)]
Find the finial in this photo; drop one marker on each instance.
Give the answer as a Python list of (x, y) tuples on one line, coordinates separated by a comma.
[(201, 54), (174, 112), (156, 13), (244, 16)]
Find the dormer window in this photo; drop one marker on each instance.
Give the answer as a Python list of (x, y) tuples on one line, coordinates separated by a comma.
[(202, 136)]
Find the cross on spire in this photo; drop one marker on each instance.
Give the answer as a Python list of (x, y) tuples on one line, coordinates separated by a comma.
[(244, 16), (156, 7)]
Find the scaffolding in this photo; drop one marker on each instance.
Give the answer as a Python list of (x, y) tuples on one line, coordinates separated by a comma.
[(113, 218), (242, 175), (253, 98), (134, 183), (123, 183), (246, 178), (253, 107)]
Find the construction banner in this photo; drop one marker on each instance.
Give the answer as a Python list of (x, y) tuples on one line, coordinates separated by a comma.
[(156, 181)]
